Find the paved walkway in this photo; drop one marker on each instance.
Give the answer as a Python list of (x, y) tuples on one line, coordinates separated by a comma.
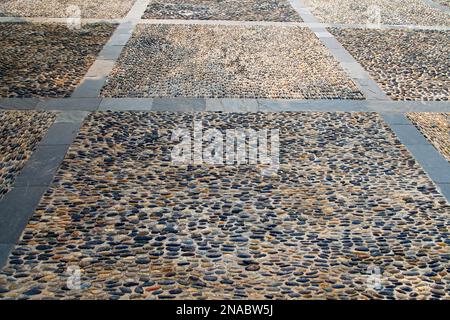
[(93, 206)]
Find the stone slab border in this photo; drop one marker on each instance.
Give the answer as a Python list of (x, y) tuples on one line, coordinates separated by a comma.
[(19, 204), (220, 104)]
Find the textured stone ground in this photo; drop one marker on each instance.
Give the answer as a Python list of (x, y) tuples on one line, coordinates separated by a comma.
[(409, 65), (414, 12), (20, 131), (227, 61), (249, 10), (104, 9), (47, 59), (436, 127), (347, 199)]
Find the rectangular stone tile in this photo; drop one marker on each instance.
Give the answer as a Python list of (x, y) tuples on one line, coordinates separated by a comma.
[(428, 156), (178, 104), (19, 103), (61, 133), (16, 209), (84, 104), (123, 104), (409, 135), (41, 167), (110, 52)]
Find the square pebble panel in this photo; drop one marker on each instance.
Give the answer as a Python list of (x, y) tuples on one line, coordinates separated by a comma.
[(20, 132), (227, 62), (408, 65), (100, 9), (397, 12), (348, 200), (249, 10), (47, 60), (436, 127)]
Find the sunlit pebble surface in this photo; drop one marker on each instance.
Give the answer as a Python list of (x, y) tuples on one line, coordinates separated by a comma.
[(20, 132), (249, 10), (399, 12), (101, 9), (409, 65), (227, 62), (436, 127), (47, 60), (348, 198)]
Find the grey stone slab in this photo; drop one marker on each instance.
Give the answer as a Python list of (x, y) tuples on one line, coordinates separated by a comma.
[(71, 116), (5, 250), (409, 135), (100, 68), (16, 208), (429, 157), (395, 118), (179, 104), (439, 174), (331, 43), (42, 165), (84, 104), (125, 104), (444, 189), (119, 39), (89, 87), (240, 105), (110, 52), (19, 103), (61, 133), (311, 105)]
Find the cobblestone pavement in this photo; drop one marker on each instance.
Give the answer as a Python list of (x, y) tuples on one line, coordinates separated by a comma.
[(408, 65), (415, 12), (436, 127), (249, 10), (348, 203), (47, 60), (20, 132), (104, 9), (227, 61)]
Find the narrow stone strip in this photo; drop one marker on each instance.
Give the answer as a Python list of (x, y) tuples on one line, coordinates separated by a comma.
[(432, 162), (95, 78), (18, 205), (220, 104), (356, 72), (380, 27), (54, 20), (224, 22)]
